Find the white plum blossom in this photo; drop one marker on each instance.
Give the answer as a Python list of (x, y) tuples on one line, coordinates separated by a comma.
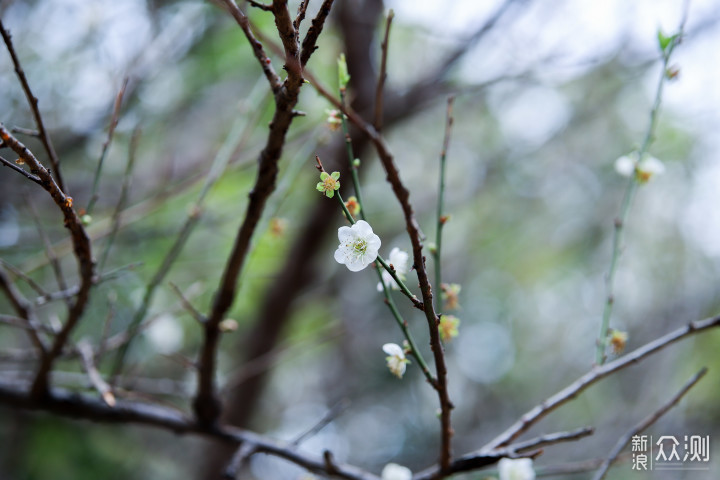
[(399, 260), (644, 169), (393, 471), (396, 360), (516, 469), (358, 246)]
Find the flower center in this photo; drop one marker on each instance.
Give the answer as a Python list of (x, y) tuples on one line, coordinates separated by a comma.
[(360, 247), (330, 183)]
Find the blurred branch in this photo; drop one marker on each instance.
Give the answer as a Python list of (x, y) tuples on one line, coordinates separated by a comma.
[(49, 250), (87, 356), (24, 310), (382, 76), (645, 423), (120, 206), (598, 373), (106, 145), (33, 102), (69, 404)]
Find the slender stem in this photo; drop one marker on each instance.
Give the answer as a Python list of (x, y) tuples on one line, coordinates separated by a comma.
[(441, 218), (106, 146), (351, 157), (621, 220), (383, 73)]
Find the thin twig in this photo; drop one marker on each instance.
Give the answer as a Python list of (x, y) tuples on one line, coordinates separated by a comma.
[(49, 250), (120, 206), (538, 412), (383, 73), (261, 6), (24, 309), (21, 171), (441, 218), (310, 40), (26, 278), (187, 305), (302, 10), (96, 379), (106, 145), (645, 423), (263, 59), (33, 102)]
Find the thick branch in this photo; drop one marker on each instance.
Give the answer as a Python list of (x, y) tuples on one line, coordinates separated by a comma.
[(308, 44), (68, 404)]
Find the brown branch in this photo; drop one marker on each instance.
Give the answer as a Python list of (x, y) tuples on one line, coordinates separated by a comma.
[(21, 171), (24, 309), (27, 279), (598, 373), (206, 403), (69, 404), (302, 9), (82, 250), (645, 423), (265, 63), (383, 74), (33, 102), (308, 44), (261, 6)]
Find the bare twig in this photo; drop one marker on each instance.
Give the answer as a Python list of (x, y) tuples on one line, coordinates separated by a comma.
[(21, 171), (96, 379), (645, 423), (187, 305), (302, 9), (106, 145), (24, 309), (308, 44), (598, 373), (383, 73), (27, 279), (82, 250), (265, 63), (120, 206), (33, 102), (49, 250)]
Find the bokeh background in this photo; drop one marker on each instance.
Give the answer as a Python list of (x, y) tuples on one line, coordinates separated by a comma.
[(546, 99)]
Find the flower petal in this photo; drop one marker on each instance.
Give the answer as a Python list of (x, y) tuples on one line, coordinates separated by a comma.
[(345, 234), (393, 349)]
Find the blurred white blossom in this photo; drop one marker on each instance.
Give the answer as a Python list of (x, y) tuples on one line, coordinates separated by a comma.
[(644, 169), (399, 261), (396, 360), (165, 334), (393, 471), (516, 469)]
